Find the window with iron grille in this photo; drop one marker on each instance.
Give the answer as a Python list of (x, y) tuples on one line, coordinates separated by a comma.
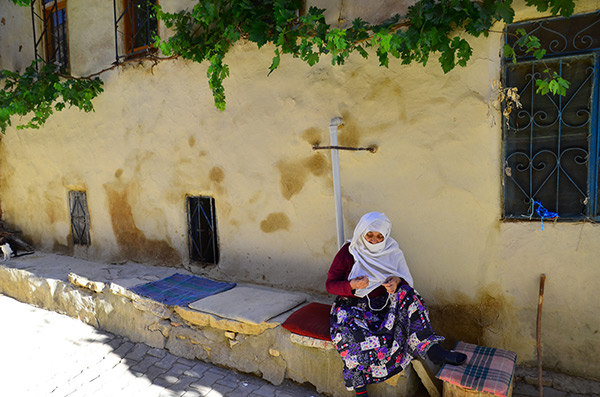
[(80, 218), (551, 145), (136, 25), (202, 230), (50, 31)]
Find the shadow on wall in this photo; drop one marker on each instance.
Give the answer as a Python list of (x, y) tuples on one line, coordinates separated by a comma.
[(469, 320)]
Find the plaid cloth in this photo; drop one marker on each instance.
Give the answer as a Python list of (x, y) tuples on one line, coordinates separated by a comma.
[(486, 370), (181, 289)]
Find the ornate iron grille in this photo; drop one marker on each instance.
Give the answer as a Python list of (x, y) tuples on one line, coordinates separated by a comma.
[(80, 218), (202, 229), (560, 36), (551, 144), (51, 45), (135, 27)]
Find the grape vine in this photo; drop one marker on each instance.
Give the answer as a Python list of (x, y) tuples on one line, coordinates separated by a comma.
[(208, 30)]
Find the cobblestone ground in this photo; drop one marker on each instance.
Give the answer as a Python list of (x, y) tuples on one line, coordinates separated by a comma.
[(44, 353)]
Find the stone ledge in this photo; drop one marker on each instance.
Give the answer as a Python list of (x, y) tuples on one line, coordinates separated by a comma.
[(561, 382), (200, 319), (192, 317), (311, 342), (266, 350)]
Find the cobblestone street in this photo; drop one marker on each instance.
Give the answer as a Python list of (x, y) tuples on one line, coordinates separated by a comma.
[(48, 354)]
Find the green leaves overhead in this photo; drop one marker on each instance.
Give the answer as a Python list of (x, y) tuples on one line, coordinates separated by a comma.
[(40, 93), (211, 27), (22, 2), (562, 7), (207, 31)]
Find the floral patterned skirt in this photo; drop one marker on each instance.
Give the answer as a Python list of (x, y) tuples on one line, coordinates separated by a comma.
[(375, 345)]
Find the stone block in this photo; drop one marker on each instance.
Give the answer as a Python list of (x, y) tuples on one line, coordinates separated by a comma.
[(83, 282), (273, 369), (199, 319), (116, 314), (311, 342), (187, 343)]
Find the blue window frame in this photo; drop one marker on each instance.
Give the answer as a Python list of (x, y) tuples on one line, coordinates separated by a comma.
[(551, 145)]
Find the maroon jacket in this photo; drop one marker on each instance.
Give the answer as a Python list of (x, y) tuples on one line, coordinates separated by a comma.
[(337, 278)]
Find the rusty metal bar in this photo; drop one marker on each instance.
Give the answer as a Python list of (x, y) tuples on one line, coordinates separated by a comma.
[(371, 149)]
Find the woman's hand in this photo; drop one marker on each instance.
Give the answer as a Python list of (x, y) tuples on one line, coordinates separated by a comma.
[(391, 284), (359, 282)]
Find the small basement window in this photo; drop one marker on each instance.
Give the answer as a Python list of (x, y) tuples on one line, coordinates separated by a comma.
[(80, 218), (202, 230)]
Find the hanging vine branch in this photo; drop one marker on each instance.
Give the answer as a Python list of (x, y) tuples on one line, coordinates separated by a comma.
[(207, 31), (40, 91)]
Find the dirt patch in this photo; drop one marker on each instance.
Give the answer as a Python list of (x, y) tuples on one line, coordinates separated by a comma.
[(216, 174), (293, 177), (350, 133), (317, 164), (63, 249), (275, 221), (312, 135), (470, 320), (133, 244), (295, 173)]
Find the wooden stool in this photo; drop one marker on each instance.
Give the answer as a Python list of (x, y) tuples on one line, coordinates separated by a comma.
[(486, 371)]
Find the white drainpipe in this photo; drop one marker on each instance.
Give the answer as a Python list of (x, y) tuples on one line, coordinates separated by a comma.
[(335, 167)]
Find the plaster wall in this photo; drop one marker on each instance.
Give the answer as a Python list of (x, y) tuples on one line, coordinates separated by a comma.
[(155, 137), (16, 36)]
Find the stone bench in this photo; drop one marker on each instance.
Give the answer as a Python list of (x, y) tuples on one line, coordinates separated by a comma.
[(100, 295), (487, 371)]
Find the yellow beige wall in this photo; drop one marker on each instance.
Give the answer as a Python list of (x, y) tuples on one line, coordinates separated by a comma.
[(156, 137)]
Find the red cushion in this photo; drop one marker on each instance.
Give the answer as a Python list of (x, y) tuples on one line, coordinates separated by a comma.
[(311, 320)]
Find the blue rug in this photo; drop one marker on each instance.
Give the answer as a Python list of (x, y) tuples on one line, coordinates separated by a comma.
[(181, 289)]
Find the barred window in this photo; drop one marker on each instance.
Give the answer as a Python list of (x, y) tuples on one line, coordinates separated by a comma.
[(50, 31), (136, 25), (80, 218), (551, 152), (202, 230)]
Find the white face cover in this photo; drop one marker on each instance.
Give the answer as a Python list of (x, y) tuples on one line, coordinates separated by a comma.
[(374, 248)]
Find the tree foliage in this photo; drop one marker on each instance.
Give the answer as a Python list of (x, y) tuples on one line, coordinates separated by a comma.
[(22, 2), (207, 31), (39, 93)]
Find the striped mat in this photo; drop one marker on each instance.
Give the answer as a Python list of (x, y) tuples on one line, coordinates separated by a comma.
[(486, 370), (181, 289)]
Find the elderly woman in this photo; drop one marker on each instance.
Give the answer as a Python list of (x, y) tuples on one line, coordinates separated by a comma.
[(379, 323)]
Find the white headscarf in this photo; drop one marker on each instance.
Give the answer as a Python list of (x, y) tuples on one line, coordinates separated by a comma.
[(376, 261)]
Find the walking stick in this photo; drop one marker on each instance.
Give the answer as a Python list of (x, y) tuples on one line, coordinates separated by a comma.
[(538, 334)]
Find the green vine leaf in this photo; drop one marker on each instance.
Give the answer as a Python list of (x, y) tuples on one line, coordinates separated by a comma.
[(553, 84), (40, 93), (207, 31), (23, 3), (557, 7)]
